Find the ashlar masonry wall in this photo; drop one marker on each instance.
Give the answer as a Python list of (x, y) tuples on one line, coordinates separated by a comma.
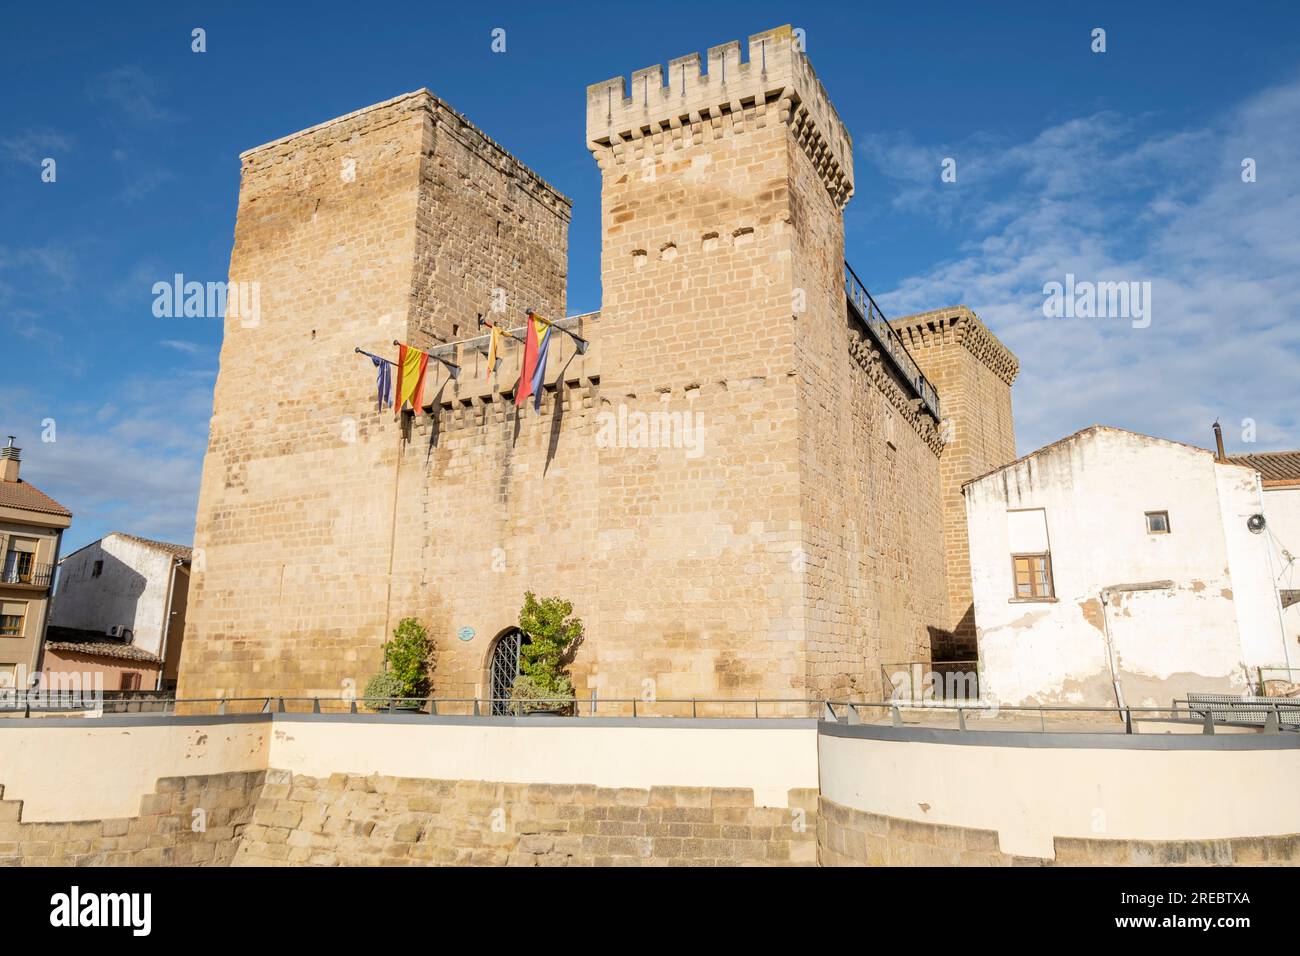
[(398, 222), (774, 529)]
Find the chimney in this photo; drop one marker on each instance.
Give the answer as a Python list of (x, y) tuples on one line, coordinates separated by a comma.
[(1218, 442), (9, 461)]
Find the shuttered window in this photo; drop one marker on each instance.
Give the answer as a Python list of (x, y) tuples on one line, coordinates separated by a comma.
[(12, 615)]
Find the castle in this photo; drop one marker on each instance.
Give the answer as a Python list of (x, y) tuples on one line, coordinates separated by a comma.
[(813, 531)]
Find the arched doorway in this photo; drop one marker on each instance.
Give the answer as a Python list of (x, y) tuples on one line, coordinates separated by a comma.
[(503, 668)]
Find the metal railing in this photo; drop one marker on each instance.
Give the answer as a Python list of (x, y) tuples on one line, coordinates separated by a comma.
[(36, 575), (889, 341), (28, 703), (1272, 715)]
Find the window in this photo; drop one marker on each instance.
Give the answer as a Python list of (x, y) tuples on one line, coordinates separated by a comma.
[(130, 680), (9, 675), (1157, 522), (1033, 576), (12, 615), (19, 560), (97, 570)]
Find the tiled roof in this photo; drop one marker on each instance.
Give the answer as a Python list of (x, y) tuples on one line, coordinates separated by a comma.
[(75, 640), (179, 550), (20, 494), (1271, 465)]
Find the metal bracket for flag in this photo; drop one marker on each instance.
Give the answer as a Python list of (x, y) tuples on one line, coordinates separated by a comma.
[(452, 367), (483, 323), (578, 340)]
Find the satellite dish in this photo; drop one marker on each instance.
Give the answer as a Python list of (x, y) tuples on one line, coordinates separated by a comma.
[(1256, 523)]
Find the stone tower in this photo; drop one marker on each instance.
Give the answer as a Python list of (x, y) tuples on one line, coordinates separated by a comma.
[(396, 222), (813, 519)]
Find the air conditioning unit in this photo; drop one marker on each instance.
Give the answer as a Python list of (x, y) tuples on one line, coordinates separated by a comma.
[(120, 631)]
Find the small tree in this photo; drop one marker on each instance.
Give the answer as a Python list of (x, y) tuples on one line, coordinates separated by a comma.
[(407, 662), (553, 635)]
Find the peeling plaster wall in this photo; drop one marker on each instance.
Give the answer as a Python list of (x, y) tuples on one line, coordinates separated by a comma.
[(1254, 591), (1282, 508), (1095, 488)]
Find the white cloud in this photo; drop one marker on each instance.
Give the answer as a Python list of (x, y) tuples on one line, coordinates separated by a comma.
[(130, 465), (133, 92), (31, 146), (1110, 198), (189, 348)]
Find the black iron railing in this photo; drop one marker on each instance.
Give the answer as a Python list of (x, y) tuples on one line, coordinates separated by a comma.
[(36, 575), (889, 341)]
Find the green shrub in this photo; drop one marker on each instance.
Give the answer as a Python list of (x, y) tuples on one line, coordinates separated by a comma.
[(527, 696), (408, 655), (553, 635), (408, 658), (381, 687)]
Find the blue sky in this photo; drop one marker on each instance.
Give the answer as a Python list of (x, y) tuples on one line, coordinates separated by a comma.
[(1114, 166)]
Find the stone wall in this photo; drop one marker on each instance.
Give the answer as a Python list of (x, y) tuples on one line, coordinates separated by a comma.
[(870, 506), (973, 373), (347, 820), (775, 527), (186, 821), (397, 222), (849, 837)]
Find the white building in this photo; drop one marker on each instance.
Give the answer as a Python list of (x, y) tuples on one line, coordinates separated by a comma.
[(119, 607), (1279, 473), (1111, 566)]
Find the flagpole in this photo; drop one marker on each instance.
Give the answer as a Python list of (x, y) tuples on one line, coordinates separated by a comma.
[(452, 367), (578, 339), (361, 351), (484, 323)]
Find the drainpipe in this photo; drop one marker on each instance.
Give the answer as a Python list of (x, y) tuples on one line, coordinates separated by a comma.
[(167, 624), (1110, 650), (1106, 594)]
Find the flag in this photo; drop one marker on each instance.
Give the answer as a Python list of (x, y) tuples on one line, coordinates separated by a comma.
[(537, 342), (494, 349), (411, 366), (383, 378)]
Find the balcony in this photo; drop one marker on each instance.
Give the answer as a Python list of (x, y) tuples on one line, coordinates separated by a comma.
[(888, 341), (33, 576)]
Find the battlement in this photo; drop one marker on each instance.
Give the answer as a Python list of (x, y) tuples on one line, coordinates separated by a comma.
[(959, 325), (776, 74)]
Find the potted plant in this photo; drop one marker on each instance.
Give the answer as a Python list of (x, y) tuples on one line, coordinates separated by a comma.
[(552, 637), (407, 661)]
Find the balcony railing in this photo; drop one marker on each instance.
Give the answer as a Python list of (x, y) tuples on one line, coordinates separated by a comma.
[(889, 341), (36, 576)]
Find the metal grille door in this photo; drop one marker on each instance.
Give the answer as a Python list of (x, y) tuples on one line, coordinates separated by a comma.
[(504, 670)]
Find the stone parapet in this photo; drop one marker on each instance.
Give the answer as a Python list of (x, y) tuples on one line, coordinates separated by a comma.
[(694, 103)]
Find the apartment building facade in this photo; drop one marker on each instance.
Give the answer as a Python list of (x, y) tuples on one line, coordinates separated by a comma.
[(31, 532)]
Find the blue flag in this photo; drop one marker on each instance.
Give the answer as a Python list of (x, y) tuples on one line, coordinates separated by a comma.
[(383, 378)]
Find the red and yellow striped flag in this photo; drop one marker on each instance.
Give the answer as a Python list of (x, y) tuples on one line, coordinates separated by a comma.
[(411, 366)]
